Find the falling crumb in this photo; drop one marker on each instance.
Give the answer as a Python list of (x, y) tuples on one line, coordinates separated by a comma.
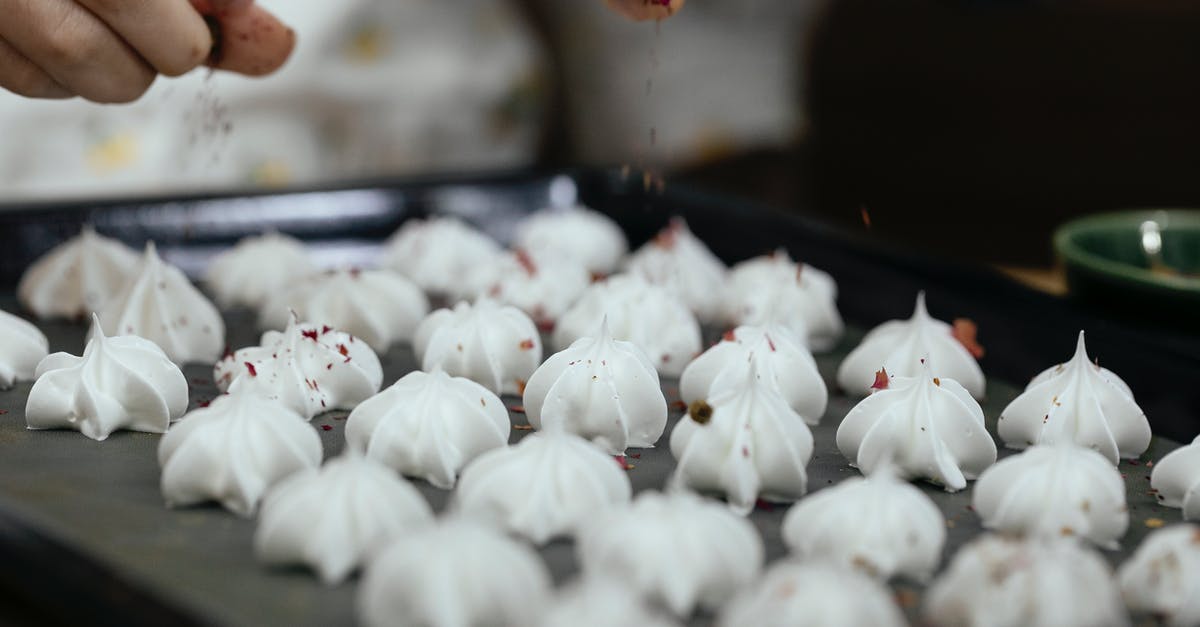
[(866, 217), (1154, 523)]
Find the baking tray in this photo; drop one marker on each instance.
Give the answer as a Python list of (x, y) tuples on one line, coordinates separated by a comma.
[(82, 525)]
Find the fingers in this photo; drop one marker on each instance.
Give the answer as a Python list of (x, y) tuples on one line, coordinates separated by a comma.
[(75, 48), (168, 34), (641, 10), (252, 41), (20, 76)]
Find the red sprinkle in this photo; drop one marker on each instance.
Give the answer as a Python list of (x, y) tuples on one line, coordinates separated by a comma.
[(679, 405), (310, 334), (965, 331), (770, 344), (526, 262), (200, 404), (526, 345), (881, 380), (329, 366), (326, 427), (728, 336), (250, 369), (343, 350), (325, 329), (520, 409), (3, 411), (763, 505)]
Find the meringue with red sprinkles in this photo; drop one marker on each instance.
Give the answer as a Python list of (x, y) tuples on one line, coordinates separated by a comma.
[(77, 277), (775, 290), (677, 260), (436, 253), (542, 288), (309, 368)]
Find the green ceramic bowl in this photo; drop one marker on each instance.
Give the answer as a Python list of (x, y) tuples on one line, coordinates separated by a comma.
[(1145, 263)]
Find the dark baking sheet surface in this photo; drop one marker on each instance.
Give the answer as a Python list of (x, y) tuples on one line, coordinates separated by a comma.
[(102, 499), (82, 523)]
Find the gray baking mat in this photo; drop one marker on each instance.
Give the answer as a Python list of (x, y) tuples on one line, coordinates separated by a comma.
[(102, 498)]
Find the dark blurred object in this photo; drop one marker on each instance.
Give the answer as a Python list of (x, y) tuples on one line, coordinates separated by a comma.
[(1142, 265), (974, 128)]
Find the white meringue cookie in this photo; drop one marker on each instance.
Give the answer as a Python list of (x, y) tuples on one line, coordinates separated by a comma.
[(1176, 479), (309, 369), (602, 389), (377, 306), (744, 442), (601, 602), (123, 382), (493, 345), (677, 549), (1002, 582), (256, 268), (773, 289), (454, 574), (429, 425), (1054, 490), (77, 277), (1077, 401), (637, 312), (233, 451), (334, 518), (22, 347), (437, 253), (879, 524), (544, 487), (680, 262), (930, 428), (781, 358), (588, 237), (542, 288), (899, 346), (813, 594), (160, 304), (1163, 577)]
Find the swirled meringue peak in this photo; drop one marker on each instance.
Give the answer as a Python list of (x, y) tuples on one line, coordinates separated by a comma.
[(1081, 402), (22, 347), (588, 237), (309, 369), (334, 518), (813, 594), (602, 389), (497, 346), (256, 268), (376, 306), (1054, 490), (680, 262), (774, 290), (437, 253), (233, 450), (1003, 582), (77, 277), (1163, 576), (744, 442), (455, 573), (782, 359), (429, 425), (123, 382), (160, 304), (930, 428), (637, 312), (675, 548), (542, 288), (601, 602), (899, 346), (879, 524), (544, 487), (1176, 480)]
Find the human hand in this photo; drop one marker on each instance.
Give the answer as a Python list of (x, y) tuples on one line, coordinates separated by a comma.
[(111, 50), (641, 10)]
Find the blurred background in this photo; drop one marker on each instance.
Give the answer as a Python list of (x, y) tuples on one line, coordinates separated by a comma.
[(965, 128)]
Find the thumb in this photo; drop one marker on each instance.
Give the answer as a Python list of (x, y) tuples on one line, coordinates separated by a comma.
[(641, 10), (247, 39)]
